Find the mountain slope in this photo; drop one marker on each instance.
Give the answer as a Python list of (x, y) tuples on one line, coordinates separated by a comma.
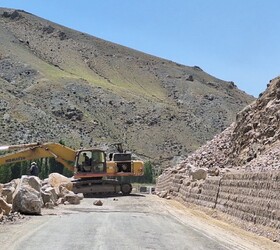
[(60, 84)]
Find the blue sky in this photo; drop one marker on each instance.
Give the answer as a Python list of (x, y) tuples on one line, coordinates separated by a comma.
[(234, 40)]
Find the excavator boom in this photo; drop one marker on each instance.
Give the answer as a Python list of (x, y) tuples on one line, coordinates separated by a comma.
[(14, 147), (35, 151)]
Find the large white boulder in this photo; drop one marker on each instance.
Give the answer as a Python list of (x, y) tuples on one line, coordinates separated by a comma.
[(27, 199), (56, 180)]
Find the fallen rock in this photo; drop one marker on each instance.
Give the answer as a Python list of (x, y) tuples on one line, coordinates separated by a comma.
[(80, 195), (72, 198), (26, 199), (63, 191), (5, 207), (60, 200), (52, 192), (98, 203), (163, 194), (57, 180), (46, 197), (8, 194), (32, 181), (49, 205)]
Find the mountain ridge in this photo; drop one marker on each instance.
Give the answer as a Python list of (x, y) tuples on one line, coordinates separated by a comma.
[(61, 84)]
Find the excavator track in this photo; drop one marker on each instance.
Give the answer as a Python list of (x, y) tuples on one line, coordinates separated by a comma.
[(99, 186)]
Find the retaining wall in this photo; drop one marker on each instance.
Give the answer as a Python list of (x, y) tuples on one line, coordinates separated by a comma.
[(253, 197)]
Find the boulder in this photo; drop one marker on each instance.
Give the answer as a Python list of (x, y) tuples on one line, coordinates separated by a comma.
[(163, 194), (45, 182), (80, 195), (49, 195), (52, 192), (56, 180), (32, 181), (49, 205), (98, 203), (63, 191), (199, 174), (5, 207), (60, 200), (72, 198), (8, 194), (46, 197), (27, 200)]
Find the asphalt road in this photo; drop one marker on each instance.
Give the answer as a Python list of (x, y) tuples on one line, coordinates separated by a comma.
[(132, 222)]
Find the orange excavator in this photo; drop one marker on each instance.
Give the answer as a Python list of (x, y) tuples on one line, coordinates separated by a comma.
[(93, 173)]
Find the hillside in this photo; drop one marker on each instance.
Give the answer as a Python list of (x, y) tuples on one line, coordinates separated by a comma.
[(61, 84), (238, 171)]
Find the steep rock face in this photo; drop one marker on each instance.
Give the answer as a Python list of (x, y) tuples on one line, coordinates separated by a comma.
[(60, 84), (257, 130), (251, 143), (242, 165)]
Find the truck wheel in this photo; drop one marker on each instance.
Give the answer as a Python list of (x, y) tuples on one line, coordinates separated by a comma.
[(126, 188)]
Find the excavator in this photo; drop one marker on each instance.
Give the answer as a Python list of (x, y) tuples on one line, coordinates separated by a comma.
[(93, 173)]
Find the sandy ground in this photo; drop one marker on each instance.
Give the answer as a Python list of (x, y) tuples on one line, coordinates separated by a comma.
[(127, 222)]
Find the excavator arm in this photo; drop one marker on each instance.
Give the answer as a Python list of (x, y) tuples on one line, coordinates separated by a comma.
[(33, 151)]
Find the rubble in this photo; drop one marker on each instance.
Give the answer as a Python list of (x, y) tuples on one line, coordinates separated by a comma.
[(241, 167), (11, 218), (29, 195)]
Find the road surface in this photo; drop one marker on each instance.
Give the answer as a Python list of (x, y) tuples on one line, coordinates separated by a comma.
[(126, 222)]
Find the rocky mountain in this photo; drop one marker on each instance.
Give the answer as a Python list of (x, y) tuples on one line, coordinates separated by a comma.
[(61, 84)]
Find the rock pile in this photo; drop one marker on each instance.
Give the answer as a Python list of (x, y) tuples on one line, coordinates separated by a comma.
[(238, 171), (29, 194)]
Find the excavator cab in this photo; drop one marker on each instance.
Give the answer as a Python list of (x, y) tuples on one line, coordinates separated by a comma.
[(91, 161)]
